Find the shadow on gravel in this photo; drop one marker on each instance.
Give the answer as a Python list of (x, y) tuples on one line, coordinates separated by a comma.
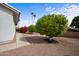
[(37, 40)]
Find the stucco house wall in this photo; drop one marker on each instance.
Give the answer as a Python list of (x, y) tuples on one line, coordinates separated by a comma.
[(7, 24), (7, 27)]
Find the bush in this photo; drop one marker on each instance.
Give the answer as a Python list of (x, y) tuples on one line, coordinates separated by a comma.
[(52, 25), (23, 29), (32, 28)]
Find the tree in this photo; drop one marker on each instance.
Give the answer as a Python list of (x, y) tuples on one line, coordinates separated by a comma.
[(33, 16), (75, 22), (32, 28), (52, 25)]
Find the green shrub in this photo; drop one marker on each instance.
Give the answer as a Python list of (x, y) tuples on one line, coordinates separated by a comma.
[(52, 25), (32, 28)]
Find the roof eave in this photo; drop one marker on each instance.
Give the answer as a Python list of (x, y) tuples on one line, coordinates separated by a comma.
[(10, 7)]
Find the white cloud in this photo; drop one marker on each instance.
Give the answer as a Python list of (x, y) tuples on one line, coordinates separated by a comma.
[(68, 10), (49, 9)]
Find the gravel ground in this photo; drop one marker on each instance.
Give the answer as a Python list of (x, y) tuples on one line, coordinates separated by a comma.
[(39, 47)]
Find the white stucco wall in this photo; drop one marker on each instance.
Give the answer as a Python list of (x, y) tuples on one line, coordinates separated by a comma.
[(7, 27)]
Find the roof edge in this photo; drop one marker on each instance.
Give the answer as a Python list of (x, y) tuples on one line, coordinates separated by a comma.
[(10, 7)]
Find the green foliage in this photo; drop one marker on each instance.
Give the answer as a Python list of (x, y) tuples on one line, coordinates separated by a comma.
[(32, 28), (75, 22), (52, 25)]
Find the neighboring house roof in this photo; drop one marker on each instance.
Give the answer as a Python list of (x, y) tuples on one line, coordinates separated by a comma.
[(16, 13)]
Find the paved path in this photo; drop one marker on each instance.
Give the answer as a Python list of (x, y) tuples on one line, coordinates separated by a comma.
[(39, 47), (14, 45)]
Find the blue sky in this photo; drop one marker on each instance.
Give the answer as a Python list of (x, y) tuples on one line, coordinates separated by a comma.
[(40, 9)]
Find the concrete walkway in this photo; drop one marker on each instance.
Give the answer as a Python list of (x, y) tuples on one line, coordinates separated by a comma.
[(17, 44)]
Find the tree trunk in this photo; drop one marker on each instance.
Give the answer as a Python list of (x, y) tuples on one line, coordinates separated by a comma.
[(50, 40)]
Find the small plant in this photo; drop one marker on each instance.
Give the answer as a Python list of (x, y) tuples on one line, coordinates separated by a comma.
[(32, 28), (52, 25)]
